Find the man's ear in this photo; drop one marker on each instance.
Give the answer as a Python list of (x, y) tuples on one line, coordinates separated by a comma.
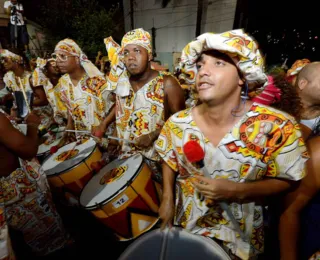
[(302, 83), (241, 82), (150, 57)]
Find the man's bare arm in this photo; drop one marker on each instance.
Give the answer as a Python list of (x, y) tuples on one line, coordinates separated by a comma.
[(25, 147), (296, 200), (174, 96)]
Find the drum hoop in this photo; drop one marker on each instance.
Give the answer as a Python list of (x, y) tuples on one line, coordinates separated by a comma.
[(104, 202), (41, 154), (141, 237), (72, 167)]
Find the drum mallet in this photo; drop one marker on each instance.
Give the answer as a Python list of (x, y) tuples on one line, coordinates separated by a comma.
[(106, 136)]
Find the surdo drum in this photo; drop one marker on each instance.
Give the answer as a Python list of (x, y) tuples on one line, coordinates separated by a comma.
[(124, 197), (69, 169)]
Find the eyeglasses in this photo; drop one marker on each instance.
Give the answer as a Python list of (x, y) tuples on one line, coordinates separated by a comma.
[(61, 57)]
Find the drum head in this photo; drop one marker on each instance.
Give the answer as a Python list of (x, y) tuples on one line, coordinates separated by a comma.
[(110, 180), (50, 140), (180, 245), (58, 162)]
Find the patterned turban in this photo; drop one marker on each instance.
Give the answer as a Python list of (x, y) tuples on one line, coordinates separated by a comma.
[(8, 54), (69, 46), (115, 53), (236, 44), (297, 67), (139, 37), (41, 63)]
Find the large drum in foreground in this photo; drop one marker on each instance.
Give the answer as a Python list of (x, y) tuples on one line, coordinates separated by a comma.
[(69, 169), (124, 197), (178, 244)]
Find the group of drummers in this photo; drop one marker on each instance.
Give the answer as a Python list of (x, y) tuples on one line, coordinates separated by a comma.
[(135, 148)]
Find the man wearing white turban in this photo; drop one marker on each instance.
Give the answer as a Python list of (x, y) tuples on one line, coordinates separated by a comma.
[(250, 150)]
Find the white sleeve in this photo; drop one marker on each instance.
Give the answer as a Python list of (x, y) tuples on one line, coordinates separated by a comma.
[(7, 4), (20, 7)]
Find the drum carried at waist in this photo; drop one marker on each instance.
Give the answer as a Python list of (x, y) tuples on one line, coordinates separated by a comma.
[(173, 244), (124, 197), (69, 169), (49, 140)]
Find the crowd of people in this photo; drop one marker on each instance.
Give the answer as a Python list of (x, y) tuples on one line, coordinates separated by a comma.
[(258, 129)]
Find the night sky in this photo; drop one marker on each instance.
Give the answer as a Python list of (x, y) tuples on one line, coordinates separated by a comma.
[(284, 33), (281, 33)]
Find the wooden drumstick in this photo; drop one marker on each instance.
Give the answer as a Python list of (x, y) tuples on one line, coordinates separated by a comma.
[(164, 244), (24, 95), (107, 136)]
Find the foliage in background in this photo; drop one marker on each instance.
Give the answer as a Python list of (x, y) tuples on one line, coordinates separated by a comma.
[(84, 21)]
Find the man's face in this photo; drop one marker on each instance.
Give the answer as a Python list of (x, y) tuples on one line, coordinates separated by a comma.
[(66, 62), (52, 68), (217, 77), (14, 2), (136, 59), (8, 64)]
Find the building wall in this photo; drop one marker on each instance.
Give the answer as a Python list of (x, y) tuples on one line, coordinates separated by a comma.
[(176, 24)]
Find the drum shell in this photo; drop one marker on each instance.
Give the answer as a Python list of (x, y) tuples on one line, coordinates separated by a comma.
[(142, 206), (73, 180)]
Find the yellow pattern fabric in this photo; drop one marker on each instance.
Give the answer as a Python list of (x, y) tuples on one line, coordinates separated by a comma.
[(8, 54), (115, 52), (6, 251), (27, 206), (139, 113), (71, 47), (297, 66), (88, 102), (12, 82), (264, 143), (40, 79), (117, 66), (138, 37)]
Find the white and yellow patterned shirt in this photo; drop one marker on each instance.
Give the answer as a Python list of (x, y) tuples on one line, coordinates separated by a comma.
[(139, 113), (264, 143), (44, 112), (88, 102), (12, 82)]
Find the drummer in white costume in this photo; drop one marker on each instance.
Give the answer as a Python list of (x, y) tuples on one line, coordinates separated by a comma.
[(81, 95), (14, 65), (145, 98), (251, 150)]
